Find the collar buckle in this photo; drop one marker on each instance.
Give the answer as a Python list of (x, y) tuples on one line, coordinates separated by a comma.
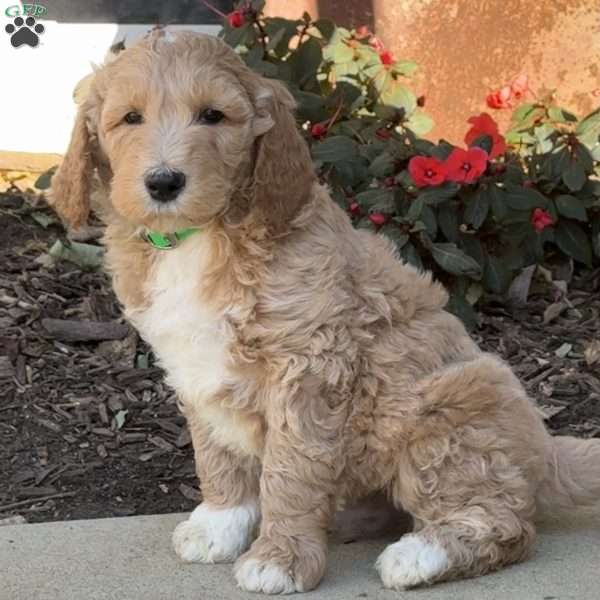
[(160, 241)]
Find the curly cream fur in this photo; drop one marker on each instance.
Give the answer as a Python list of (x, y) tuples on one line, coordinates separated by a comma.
[(312, 365)]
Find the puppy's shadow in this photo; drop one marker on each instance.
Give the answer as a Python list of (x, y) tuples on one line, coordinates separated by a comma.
[(371, 518)]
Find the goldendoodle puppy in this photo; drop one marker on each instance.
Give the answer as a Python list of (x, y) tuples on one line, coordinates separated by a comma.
[(311, 364)]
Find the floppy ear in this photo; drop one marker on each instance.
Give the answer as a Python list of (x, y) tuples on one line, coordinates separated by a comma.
[(72, 182), (283, 170)]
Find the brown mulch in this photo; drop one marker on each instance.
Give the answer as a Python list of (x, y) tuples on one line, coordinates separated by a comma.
[(89, 429)]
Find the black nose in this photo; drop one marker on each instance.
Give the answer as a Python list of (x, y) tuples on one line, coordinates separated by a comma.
[(164, 184)]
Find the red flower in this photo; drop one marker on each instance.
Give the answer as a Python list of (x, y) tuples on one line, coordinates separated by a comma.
[(383, 133), (362, 32), (426, 171), (466, 166), (540, 219), (377, 44), (318, 131), (500, 98), (236, 19), (354, 208), (387, 58), (520, 86), (485, 125), (377, 219)]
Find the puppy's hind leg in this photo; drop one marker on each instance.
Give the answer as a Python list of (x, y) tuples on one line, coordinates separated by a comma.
[(468, 476)]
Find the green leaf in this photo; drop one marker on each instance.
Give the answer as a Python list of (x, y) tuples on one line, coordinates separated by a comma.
[(560, 115), (411, 256), (523, 198), (442, 151), (485, 142), (45, 179), (414, 210), (434, 196), (380, 197), (86, 256), (497, 202), (311, 107), (584, 157), (448, 221), (398, 95), (496, 275), (453, 260), (571, 207), (326, 27), (477, 208), (305, 61), (472, 245), (590, 123), (43, 219), (383, 165), (419, 123), (573, 241), (334, 148), (276, 38), (574, 176), (596, 236), (430, 222), (460, 308), (395, 234), (522, 112), (236, 36), (339, 52), (405, 67)]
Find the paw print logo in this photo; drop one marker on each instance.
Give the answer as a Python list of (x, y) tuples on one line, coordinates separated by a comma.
[(24, 32)]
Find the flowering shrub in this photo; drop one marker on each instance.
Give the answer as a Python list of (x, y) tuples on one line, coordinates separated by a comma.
[(474, 215)]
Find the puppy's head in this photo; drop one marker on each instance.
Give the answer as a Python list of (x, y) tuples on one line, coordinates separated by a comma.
[(183, 132)]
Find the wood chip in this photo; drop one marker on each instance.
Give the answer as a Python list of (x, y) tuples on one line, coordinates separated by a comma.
[(189, 492), (161, 443), (55, 427), (103, 431), (563, 350), (146, 456), (555, 310), (592, 353), (132, 438), (84, 331), (6, 368), (103, 413), (184, 438), (35, 492)]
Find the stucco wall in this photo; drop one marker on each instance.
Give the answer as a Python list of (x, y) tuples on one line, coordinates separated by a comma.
[(467, 47)]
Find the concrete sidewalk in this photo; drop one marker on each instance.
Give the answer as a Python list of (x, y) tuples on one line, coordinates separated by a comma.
[(131, 559)]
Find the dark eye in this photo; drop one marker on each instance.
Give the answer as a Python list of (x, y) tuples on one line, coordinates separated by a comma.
[(210, 116), (132, 118)]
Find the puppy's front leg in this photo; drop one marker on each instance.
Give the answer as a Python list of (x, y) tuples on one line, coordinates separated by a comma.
[(224, 525), (301, 466)]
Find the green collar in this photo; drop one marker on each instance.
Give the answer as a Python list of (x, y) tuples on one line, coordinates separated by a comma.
[(167, 241)]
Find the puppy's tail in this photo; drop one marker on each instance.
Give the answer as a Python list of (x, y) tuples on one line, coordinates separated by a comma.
[(572, 481)]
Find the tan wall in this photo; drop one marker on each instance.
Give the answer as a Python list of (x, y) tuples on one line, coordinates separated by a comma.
[(467, 47)]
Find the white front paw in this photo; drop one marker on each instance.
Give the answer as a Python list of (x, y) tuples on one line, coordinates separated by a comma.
[(214, 534), (410, 562), (255, 575)]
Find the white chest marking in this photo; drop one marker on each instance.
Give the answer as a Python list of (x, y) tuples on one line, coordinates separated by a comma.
[(189, 338)]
